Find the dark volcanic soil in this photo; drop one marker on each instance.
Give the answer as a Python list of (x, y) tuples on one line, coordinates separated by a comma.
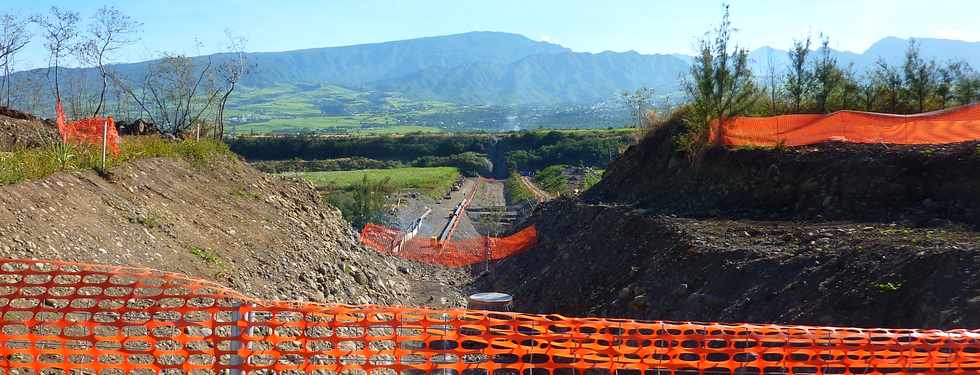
[(916, 185), (830, 234), (625, 262)]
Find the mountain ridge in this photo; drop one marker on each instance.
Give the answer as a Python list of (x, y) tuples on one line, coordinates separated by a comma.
[(495, 68)]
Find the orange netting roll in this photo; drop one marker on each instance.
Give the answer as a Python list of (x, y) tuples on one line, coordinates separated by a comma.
[(961, 124), (458, 253), (88, 131), (71, 318)]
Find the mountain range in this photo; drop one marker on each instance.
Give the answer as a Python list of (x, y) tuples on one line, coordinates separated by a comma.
[(509, 69)]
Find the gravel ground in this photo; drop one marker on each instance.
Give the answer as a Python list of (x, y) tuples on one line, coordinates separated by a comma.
[(265, 236)]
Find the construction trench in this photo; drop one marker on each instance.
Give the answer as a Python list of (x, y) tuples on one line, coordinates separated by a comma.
[(650, 250)]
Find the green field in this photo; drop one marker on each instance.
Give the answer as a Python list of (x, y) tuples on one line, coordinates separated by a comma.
[(324, 108), (357, 124), (433, 181)]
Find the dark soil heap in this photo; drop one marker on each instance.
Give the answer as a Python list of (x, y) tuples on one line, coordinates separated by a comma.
[(911, 184), (19, 130), (833, 234), (265, 236)]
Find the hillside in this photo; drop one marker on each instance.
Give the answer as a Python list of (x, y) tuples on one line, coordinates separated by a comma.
[(830, 234), (493, 68), (545, 79), (268, 237)]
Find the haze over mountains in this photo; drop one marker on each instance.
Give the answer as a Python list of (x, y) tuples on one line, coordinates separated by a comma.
[(509, 69)]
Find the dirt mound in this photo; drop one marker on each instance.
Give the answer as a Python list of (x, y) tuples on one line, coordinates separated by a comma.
[(917, 185), (830, 234), (19, 129), (269, 237), (621, 261)]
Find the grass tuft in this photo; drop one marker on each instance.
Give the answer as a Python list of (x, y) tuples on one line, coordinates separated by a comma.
[(33, 163)]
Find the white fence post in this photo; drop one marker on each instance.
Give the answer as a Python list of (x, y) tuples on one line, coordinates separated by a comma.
[(105, 140)]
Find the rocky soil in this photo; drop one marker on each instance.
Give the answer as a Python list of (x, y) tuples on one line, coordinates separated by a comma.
[(621, 261), (920, 185), (265, 236), (18, 130), (829, 234)]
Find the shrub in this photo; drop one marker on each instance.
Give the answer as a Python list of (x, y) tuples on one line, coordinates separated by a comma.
[(515, 191)]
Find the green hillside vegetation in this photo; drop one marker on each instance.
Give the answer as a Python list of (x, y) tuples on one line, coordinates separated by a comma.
[(470, 164), (515, 192), (552, 179), (524, 150), (434, 181), (331, 109), (556, 179), (33, 163)]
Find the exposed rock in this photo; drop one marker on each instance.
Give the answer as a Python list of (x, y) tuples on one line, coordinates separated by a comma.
[(268, 237)]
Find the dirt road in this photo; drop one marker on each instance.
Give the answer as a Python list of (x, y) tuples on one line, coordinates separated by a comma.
[(411, 208), (539, 194)]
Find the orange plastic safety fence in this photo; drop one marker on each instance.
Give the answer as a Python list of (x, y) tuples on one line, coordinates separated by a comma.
[(458, 253), (88, 131), (961, 124), (69, 318)]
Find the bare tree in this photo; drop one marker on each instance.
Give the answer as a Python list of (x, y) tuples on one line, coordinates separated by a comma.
[(231, 72), (60, 29), (638, 103), (773, 81), (799, 79), (13, 37), (109, 31), (172, 86)]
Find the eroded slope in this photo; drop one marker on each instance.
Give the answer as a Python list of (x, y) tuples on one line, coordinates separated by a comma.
[(225, 221)]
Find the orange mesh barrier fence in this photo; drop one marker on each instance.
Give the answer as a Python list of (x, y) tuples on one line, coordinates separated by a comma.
[(458, 253), (69, 318), (88, 131), (961, 124)]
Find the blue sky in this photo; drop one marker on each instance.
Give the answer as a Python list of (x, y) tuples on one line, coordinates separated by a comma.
[(583, 25)]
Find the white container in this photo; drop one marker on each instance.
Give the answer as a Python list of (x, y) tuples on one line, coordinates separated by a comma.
[(492, 301)]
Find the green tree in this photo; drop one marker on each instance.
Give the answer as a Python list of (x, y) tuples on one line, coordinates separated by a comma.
[(869, 90), (363, 202), (889, 82), (920, 77), (826, 76), (850, 89), (967, 87), (720, 86), (946, 79), (799, 79)]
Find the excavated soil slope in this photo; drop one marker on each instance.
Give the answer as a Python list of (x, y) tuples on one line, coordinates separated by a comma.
[(18, 130), (834, 234), (620, 261), (266, 236), (911, 184)]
